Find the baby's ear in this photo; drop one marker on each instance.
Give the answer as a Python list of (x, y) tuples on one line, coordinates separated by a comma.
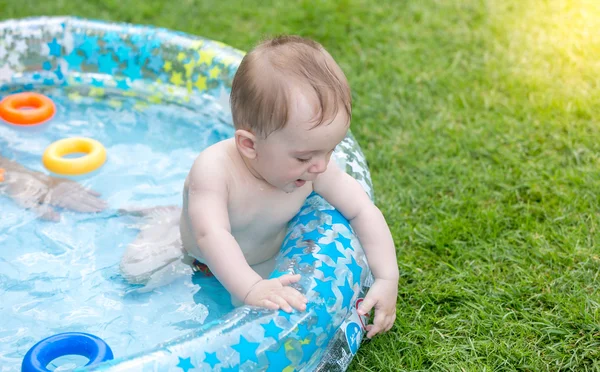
[(246, 143)]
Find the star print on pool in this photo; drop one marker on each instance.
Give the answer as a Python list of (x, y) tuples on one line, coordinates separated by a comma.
[(324, 288), (106, 64), (111, 40), (328, 271), (347, 293), (306, 218), (303, 330), (185, 364), (346, 243), (323, 317), (55, 48), (356, 270), (211, 359), (272, 330), (132, 71), (330, 250), (89, 46), (278, 361), (246, 349), (308, 350), (313, 235), (308, 259), (74, 60)]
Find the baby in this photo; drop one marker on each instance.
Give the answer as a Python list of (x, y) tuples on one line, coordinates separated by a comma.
[(291, 106)]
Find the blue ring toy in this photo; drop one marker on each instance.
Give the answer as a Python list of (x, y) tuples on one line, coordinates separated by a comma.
[(69, 343)]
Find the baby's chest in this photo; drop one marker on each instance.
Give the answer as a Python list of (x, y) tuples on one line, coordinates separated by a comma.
[(264, 208)]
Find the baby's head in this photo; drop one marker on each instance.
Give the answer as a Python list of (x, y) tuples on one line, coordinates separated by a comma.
[(291, 105)]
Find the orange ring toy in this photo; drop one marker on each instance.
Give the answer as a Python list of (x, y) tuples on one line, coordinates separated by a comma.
[(26, 108)]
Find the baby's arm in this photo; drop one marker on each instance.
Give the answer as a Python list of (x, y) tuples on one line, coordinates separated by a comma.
[(40, 192), (347, 195), (208, 212)]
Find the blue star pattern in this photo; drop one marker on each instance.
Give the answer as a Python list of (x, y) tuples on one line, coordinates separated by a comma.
[(356, 271), (323, 317), (346, 243), (132, 71), (347, 293), (308, 259), (306, 218), (313, 235), (328, 271), (324, 288), (156, 63), (326, 227), (55, 48), (74, 60), (278, 361), (106, 64), (246, 349), (97, 83), (211, 359), (308, 350), (123, 53), (330, 250), (59, 74), (296, 251), (122, 84), (112, 40), (303, 331), (271, 330), (89, 46), (185, 364), (286, 315)]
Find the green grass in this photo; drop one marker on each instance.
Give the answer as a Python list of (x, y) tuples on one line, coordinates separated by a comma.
[(480, 123)]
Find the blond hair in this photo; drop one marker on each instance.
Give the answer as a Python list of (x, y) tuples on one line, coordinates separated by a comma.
[(260, 93)]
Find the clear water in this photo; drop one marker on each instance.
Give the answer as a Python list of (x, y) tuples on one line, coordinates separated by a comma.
[(60, 277)]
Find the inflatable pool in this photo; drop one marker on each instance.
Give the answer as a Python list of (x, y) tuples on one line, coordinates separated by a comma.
[(148, 95)]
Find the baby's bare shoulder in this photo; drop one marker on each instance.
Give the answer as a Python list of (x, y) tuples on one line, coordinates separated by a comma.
[(211, 167)]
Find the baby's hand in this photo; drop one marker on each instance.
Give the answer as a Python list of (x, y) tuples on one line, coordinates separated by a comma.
[(382, 296), (277, 294), (39, 192)]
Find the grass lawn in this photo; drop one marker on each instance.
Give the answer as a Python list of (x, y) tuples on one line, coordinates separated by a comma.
[(480, 123)]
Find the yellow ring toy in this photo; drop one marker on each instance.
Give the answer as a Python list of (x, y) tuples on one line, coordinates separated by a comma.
[(54, 161)]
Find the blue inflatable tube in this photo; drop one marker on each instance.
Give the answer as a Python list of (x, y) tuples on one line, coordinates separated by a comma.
[(70, 343)]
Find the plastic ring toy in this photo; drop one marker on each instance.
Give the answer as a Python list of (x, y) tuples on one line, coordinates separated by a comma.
[(54, 160), (27, 108), (70, 343)]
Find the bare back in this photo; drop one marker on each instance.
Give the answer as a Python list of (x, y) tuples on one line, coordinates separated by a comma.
[(258, 213)]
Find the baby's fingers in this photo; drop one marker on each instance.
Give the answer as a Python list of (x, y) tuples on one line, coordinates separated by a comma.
[(282, 303), (289, 279), (93, 192), (366, 305), (295, 298), (381, 323), (269, 304), (373, 330)]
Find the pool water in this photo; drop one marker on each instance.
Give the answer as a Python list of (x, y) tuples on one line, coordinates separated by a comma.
[(64, 276)]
